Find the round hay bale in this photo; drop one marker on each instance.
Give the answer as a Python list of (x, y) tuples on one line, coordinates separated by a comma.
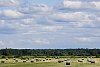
[(24, 61), (32, 61), (67, 63), (37, 60), (16, 60), (60, 61), (88, 60), (65, 60), (92, 61), (80, 61), (6, 58), (49, 59), (43, 60), (2, 61)]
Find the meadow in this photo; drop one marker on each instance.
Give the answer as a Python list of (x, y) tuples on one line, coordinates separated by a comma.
[(49, 62)]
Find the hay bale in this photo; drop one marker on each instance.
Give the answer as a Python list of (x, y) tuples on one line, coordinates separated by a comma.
[(32, 61), (88, 60), (80, 61), (2, 61), (67, 63), (6, 58), (65, 60), (43, 60), (37, 60), (24, 61), (60, 61), (16, 60), (92, 61), (49, 59)]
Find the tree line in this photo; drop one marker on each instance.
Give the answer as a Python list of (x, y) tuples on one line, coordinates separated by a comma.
[(50, 52)]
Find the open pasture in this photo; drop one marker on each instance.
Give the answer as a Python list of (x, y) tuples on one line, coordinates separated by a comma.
[(50, 62)]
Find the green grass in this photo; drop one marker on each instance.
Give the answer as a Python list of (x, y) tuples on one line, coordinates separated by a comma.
[(50, 64), (74, 63)]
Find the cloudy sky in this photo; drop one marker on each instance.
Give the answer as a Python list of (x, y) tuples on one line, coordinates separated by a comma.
[(49, 24)]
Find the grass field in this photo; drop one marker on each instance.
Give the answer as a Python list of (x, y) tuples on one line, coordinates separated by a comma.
[(49, 63)]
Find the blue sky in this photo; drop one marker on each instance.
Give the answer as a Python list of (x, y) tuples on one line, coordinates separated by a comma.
[(39, 24)]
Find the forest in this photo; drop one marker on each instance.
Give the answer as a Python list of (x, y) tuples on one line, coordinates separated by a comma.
[(50, 52)]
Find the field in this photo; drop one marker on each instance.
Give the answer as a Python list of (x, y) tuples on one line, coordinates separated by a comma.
[(50, 62)]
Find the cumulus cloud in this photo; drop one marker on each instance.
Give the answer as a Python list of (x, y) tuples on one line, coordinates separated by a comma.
[(9, 2), (74, 18), (52, 28), (41, 41), (35, 8), (11, 13), (71, 4), (96, 4)]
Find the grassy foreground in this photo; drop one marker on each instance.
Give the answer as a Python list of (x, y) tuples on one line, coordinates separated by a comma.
[(52, 63)]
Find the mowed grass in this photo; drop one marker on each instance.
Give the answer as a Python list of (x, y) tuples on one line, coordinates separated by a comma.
[(50, 64)]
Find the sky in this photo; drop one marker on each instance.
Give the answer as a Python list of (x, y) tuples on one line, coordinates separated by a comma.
[(49, 24)]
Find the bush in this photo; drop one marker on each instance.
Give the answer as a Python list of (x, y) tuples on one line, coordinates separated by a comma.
[(97, 56)]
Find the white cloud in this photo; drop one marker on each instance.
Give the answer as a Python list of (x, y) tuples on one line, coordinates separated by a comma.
[(72, 4), (41, 41), (40, 20), (74, 16), (77, 4), (52, 28), (35, 9), (9, 2), (97, 4), (12, 13), (84, 39)]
